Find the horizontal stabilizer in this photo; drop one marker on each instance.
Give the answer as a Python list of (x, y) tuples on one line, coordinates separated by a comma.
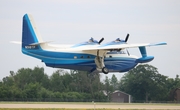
[(16, 42), (39, 43)]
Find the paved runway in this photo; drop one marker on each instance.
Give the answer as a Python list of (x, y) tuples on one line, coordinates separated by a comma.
[(89, 105)]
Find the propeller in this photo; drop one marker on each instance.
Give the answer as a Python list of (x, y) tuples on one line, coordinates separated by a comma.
[(101, 40), (127, 38), (127, 52), (119, 40)]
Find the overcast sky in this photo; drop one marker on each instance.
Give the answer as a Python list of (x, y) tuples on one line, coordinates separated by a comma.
[(75, 21)]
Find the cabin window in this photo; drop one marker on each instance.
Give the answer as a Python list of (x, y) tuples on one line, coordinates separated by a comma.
[(88, 57), (110, 56), (75, 57), (82, 57)]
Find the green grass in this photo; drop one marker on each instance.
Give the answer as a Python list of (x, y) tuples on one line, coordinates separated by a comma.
[(90, 103)]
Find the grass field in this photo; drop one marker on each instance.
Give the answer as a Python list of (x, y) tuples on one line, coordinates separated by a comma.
[(90, 103), (85, 106)]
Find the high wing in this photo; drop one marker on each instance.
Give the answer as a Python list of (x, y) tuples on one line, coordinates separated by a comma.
[(119, 46)]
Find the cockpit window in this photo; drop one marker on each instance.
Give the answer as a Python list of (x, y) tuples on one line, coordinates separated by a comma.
[(123, 52), (117, 52)]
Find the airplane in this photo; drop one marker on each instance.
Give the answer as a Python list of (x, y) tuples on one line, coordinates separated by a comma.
[(90, 56)]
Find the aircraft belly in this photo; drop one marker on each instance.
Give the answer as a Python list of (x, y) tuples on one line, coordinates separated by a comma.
[(113, 64), (73, 64), (120, 65)]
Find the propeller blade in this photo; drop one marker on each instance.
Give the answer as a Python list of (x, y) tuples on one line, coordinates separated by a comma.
[(101, 40), (127, 38), (127, 52)]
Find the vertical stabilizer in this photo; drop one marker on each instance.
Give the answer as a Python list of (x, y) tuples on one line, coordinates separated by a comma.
[(30, 33)]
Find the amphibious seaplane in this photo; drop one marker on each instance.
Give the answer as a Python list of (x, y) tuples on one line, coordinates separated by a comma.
[(91, 56)]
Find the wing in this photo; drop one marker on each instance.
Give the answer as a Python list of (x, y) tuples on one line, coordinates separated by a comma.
[(120, 46)]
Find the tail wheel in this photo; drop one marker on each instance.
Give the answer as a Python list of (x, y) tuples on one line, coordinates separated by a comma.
[(105, 70)]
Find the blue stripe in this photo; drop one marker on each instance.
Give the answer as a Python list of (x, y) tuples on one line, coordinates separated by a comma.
[(66, 60)]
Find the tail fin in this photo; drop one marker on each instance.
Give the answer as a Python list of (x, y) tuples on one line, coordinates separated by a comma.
[(30, 34)]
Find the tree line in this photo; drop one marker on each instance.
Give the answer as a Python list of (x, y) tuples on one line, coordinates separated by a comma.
[(35, 85), (143, 83), (146, 84)]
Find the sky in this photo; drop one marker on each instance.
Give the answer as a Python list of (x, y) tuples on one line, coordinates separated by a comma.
[(76, 21)]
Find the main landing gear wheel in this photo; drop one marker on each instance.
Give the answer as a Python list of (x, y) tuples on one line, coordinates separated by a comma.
[(99, 61), (105, 70)]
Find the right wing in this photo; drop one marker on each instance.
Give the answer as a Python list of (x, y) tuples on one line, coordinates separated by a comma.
[(113, 47)]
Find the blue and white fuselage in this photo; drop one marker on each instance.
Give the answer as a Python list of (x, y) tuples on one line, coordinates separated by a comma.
[(88, 56)]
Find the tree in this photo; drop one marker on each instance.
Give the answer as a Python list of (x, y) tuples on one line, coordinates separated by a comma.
[(107, 86), (96, 87), (80, 82), (25, 76), (172, 85), (34, 84), (32, 90), (5, 92), (114, 82), (144, 83), (56, 81)]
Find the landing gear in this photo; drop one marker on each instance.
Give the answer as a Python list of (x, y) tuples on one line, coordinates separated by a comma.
[(105, 70), (99, 61)]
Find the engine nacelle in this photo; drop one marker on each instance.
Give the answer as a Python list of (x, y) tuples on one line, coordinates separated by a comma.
[(91, 41)]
